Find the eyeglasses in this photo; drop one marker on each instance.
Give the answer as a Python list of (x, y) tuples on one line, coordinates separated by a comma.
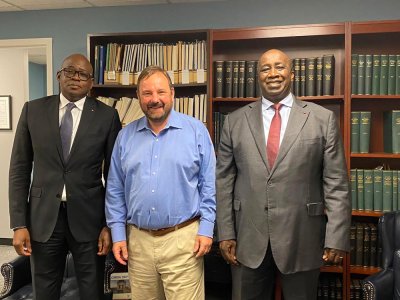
[(82, 75)]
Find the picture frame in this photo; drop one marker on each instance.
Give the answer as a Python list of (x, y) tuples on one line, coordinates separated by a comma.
[(5, 112)]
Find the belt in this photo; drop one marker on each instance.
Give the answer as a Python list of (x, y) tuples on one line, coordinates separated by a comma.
[(164, 231)]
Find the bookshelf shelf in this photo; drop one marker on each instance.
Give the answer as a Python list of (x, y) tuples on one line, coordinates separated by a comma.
[(364, 270), (375, 97), (375, 155), (332, 269), (359, 213)]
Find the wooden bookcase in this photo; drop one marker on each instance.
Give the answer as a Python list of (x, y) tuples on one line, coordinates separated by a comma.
[(339, 39)]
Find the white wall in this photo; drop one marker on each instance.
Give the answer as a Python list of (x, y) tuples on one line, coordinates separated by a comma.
[(14, 82)]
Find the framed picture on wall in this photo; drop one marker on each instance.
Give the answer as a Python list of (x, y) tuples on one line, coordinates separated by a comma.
[(5, 112)]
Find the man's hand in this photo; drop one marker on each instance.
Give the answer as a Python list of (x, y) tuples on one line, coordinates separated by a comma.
[(104, 242), (334, 256), (120, 251), (228, 251), (22, 242), (202, 245)]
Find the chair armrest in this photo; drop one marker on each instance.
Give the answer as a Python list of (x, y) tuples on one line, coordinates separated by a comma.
[(17, 274), (379, 286)]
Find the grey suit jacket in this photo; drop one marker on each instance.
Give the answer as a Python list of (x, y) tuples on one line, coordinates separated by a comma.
[(37, 145), (300, 206)]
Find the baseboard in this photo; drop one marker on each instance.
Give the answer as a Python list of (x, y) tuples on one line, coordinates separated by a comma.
[(5, 241)]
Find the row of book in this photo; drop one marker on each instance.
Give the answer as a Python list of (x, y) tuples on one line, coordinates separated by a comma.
[(313, 76), (120, 286), (375, 74), (236, 79), (129, 108), (330, 287), (218, 123), (186, 62), (365, 249), (375, 190), (356, 291), (361, 131)]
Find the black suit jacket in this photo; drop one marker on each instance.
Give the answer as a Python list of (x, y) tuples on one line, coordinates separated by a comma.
[(35, 199)]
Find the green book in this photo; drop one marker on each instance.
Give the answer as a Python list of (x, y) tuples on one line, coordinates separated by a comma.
[(378, 189), (368, 74), (376, 73), (353, 185), (310, 76), (398, 189), (355, 132), (392, 75), (361, 75), (302, 77), (383, 82), (296, 89), (395, 190), (250, 78), (368, 190), (228, 78), (391, 131), (387, 190), (365, 131), (218, 75), (360, 189), (328, 74), (354, 73), (258, 90), (242, 71), (318, 84), (359, 243), (397, 74), (235, 78)]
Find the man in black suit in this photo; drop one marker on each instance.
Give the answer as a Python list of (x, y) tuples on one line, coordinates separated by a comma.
[(59, 207)]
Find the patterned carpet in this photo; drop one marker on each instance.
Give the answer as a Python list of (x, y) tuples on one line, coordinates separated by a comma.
[(7, 253)]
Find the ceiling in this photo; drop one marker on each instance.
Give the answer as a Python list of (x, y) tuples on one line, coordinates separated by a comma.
[(21, 5)]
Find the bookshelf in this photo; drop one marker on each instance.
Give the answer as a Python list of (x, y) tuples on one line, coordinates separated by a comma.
[(314, 40)]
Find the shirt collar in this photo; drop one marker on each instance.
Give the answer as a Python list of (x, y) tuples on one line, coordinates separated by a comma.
[(287, 101), (174, 120), (64, 101)]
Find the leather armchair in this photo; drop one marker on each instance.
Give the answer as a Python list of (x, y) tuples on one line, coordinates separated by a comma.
[(18, 280), (385, 285)]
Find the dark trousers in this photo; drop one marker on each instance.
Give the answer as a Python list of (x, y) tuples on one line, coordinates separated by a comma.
[(259, 284), (48, 263)]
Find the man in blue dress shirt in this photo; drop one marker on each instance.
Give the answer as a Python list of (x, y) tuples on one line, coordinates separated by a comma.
[(160, 201)]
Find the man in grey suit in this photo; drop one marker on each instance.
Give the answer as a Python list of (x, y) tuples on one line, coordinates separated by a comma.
[(64, 139), (283, 201)]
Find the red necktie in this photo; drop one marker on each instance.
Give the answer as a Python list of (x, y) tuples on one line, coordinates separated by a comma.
[(274, 136)]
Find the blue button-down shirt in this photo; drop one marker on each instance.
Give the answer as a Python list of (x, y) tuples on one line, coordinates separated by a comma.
[(158, 181)]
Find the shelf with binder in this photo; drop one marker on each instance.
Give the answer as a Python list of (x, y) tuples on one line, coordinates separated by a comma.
[(364, 270)]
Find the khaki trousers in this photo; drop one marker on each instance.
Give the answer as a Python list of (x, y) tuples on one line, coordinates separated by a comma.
[(165, 267)]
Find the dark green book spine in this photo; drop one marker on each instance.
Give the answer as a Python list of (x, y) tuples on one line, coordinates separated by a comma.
[(355, 132), (398, 189), (368, 74), (391, 131), (359, 243), (354, 73), (365, 131), (310, 76), (392, 75), (360, 189), (376, 73), (296, 63), (373, 245), (368, 190), (250, 78), (328, 71), (258, 90), (218, 75), (383, 82), (235, 79), (319, 77), (242, 84), (353, 244), (361, 74), (378, 190), (292, 81), (228, 78), (302, 76), (395, 190), (353, 185), (387, 190), (366, 245), (397, 74)]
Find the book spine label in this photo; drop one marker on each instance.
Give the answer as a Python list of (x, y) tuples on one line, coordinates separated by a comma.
[(328, 74), (368, 190), (250, 78), (368, 74), (355, 132), (310, 76), (242, 71), (392, 75), (302, 76), (228, 78), (235, 79), (365, 129), (376, 74), (218, 75), (361, 74), (319, 77)]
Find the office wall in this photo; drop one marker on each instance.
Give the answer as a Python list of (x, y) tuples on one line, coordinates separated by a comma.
[(37, 81), (69, 28), (14, 64)]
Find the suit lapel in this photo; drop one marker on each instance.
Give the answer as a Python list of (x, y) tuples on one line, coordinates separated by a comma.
[(86, 119), (298, 116), (254, 118), (53, 116)]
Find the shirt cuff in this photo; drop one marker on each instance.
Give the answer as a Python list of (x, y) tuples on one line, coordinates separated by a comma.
[(206, 228), (118, 232)]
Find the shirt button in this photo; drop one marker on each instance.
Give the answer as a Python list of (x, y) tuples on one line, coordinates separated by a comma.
[(156, 140), (154, 173), (155, 156), (153, 208), (152, 191)]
